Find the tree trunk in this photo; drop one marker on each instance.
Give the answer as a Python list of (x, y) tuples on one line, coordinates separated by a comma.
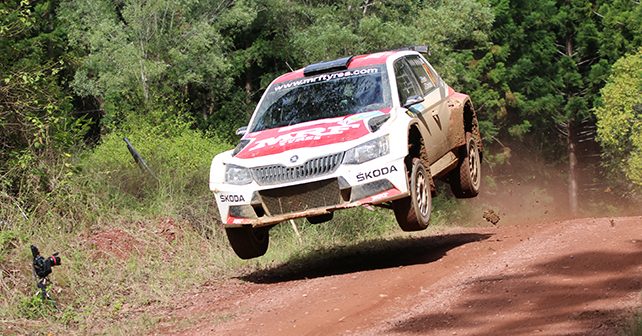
[(572, 169), (572, 156), (248, 89), (143, 76), (366, 4)]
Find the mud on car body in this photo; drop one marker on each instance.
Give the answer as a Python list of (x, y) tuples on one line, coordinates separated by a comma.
[(365, 130)]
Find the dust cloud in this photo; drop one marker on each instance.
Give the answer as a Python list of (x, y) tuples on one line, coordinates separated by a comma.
[(531, 189)]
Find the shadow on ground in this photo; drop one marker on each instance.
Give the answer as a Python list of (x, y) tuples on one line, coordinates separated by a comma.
[(568, 290), (365, 256)]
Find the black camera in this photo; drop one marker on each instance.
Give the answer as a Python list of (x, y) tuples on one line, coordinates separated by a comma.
[(41, 265)]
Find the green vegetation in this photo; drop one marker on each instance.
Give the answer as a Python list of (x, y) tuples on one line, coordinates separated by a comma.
[(178, 77), (619, 118)]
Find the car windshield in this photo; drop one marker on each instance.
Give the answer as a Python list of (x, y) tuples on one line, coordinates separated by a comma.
[(323, 96)]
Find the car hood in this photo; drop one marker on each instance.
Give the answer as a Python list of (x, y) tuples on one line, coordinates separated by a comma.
[(309, 134)]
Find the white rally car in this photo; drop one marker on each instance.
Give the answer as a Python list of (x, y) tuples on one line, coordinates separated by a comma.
[(364, 130)]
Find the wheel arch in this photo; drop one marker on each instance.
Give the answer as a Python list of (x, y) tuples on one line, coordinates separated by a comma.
[(415, 145), (471, 124)]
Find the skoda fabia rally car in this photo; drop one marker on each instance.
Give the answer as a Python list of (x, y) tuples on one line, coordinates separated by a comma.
[(364, 130)]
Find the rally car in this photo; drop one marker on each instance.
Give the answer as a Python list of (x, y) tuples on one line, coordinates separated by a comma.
[(363, 130)]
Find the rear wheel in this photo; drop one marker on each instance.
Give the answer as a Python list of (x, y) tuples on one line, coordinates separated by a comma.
[(248, 242), (466, 178), (413, 212)]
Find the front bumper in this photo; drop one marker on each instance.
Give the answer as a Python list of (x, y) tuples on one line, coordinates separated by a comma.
[(374, 182)]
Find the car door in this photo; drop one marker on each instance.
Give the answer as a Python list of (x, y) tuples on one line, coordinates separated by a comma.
[(413, 79), (435, 95)]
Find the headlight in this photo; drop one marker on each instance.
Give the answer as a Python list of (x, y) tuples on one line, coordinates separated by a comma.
[(368, 151), (237, 175)]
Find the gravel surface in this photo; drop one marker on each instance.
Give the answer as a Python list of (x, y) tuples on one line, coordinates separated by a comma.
[(577, 277)]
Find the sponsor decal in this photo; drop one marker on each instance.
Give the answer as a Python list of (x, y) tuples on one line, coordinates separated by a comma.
[(231, 198), (376, 173), (311, 134), (325, 77)]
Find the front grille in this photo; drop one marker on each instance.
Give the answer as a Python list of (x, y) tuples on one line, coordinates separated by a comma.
[(301, 197), (275, 174)]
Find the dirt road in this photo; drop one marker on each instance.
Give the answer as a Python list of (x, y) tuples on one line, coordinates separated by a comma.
[(579, 277)]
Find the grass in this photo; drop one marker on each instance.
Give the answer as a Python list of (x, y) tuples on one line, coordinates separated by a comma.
[(127, 240)]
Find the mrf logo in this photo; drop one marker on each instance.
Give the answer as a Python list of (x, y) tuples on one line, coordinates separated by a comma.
[(303, 135), (375, 173), (232, 198)]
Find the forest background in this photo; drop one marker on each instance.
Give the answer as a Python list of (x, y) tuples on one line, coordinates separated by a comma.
[(557, 86)]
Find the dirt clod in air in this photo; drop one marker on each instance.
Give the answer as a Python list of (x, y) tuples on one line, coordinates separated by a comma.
[(491, 216)]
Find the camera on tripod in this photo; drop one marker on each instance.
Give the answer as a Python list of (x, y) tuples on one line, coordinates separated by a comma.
[(42, 268), (41, 265)]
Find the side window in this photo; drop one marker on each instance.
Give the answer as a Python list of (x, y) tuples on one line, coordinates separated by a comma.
[(431, 73), (407, 85), (427, 79)]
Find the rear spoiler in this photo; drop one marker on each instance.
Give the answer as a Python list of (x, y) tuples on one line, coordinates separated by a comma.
[(328, 66), (342, 63), (422, 49)]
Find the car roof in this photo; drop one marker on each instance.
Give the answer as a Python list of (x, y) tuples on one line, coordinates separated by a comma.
[(356, 62)]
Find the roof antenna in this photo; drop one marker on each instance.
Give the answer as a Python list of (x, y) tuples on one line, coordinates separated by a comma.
[(289, 67)]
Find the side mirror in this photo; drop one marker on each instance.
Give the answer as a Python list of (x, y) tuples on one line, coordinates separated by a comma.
[(241, 131), (413, 100)]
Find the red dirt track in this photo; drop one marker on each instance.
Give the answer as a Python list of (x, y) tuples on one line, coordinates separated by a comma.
[(578, 277)]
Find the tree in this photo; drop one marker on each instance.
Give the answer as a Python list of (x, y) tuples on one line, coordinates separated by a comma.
[(619, 118), (35, 113), (139, 55), (554, 57)]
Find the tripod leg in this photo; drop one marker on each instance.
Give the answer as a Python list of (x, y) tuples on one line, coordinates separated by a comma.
[(43, 289)]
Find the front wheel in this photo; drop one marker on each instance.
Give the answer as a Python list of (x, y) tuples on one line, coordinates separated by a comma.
[(248, 242), (413, 212), (466, 178)]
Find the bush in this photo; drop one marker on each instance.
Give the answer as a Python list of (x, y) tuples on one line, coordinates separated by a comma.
[(178, 156)]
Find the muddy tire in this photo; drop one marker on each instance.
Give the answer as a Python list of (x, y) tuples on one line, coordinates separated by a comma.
[(413, 212), (248, 242), (466, 178)]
